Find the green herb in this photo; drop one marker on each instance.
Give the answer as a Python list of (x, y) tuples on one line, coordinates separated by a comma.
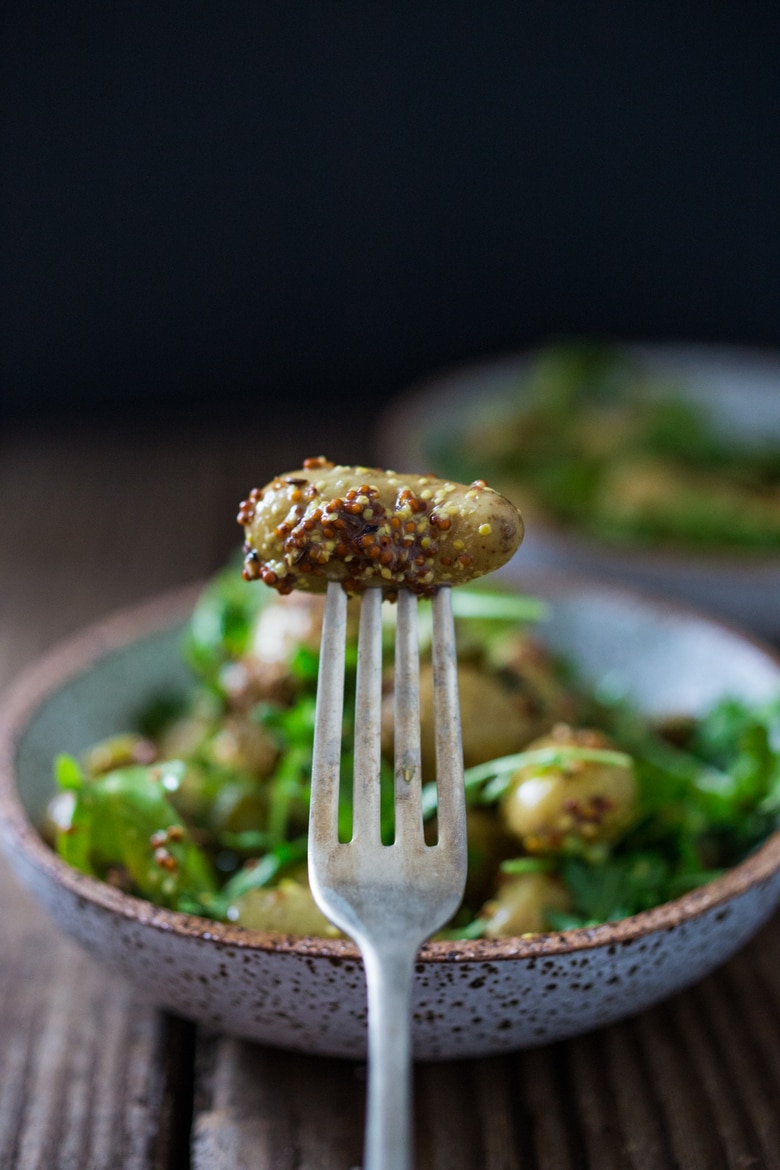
[(221, 624), (517, 865), (199, 834), (498, 606), (124, 820)]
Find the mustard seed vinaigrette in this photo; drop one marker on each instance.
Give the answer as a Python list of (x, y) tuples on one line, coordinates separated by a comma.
[(369, 528)]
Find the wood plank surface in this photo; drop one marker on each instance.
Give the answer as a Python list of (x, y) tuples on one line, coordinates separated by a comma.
[(91, 1078)]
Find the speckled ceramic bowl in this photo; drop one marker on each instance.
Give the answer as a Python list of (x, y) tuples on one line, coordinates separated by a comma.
[(470, 998), (741, 389)]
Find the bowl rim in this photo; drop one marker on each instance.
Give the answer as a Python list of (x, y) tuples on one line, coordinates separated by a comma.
[(415, 405), (73, 656)]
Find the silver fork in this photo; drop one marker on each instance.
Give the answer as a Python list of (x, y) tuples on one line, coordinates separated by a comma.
[(388, 898)]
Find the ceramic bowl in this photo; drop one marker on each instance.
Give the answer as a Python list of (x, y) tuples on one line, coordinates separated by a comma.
[(470, 999), (739, 387)]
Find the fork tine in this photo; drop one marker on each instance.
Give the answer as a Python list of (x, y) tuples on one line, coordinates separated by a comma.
[(388, 899), (449, 747), (368, 724), (408, 785), (326, 754)]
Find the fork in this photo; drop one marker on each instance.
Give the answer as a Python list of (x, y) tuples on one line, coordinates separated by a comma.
[(388, 898)]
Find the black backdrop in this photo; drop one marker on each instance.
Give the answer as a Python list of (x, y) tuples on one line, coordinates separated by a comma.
[(269, 206)]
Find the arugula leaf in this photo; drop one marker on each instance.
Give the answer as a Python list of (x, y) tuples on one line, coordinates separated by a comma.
[(619, 887), (222, 622), (124, 819), (262, 872), (68, 772)]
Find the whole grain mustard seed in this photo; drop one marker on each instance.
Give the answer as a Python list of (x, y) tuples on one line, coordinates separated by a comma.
[(372, 527)]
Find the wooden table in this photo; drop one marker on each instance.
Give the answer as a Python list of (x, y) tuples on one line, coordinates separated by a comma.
[(92, 1079)]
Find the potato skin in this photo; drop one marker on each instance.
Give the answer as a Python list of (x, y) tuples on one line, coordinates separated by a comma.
[(548, 808), (368, 528), (288, 907), (521, 904), (288, 622), (493, 723)]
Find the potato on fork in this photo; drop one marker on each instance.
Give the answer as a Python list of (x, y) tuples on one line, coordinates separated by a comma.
[(356, 530)]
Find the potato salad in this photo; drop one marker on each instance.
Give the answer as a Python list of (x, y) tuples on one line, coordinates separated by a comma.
[(580, 810)]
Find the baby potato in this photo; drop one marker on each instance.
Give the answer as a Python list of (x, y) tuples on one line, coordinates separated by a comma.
[(243, 744), (488, 844), (238, 807), (532, 673), (237, 742), (548, 808), (365, 527), (286, 624), (493, 723), (119, 751), (288, 907), (522, 904), (182, 739), (292, 621), (246, 682)]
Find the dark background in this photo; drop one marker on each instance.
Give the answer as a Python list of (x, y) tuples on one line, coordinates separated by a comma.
[(266, 208)]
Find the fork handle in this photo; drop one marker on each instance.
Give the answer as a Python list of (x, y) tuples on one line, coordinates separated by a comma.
[(389, 979)]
